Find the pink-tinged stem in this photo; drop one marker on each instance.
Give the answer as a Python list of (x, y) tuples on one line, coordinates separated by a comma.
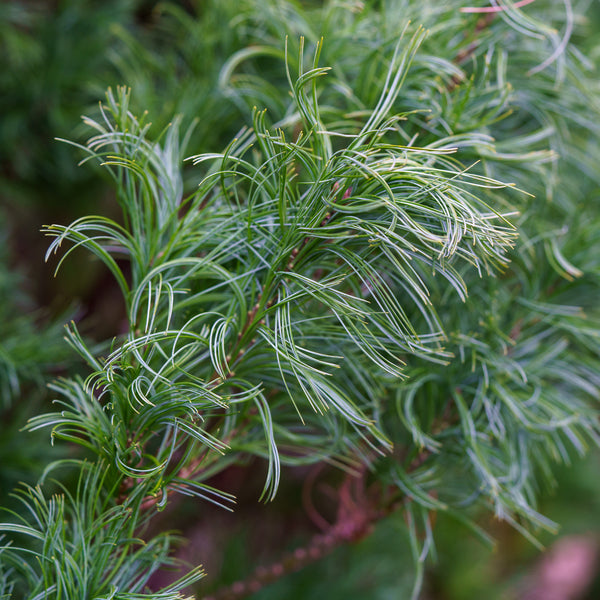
[(493, 9)]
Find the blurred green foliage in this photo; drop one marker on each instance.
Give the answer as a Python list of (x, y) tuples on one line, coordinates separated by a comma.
[(56, 62)]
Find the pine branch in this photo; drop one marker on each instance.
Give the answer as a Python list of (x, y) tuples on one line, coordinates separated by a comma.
[(354, 283)]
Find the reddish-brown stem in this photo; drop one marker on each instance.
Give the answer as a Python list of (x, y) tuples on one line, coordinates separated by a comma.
[(355, 519), (358, 512)]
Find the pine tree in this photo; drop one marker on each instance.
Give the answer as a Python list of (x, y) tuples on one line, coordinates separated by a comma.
[(391, 269)]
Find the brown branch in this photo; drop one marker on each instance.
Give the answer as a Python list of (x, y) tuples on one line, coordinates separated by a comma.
[(359, 510), (468, 52), (356, 517), (493, 9)]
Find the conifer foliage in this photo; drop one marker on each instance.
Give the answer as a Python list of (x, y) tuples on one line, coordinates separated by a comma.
[(390, 268)]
